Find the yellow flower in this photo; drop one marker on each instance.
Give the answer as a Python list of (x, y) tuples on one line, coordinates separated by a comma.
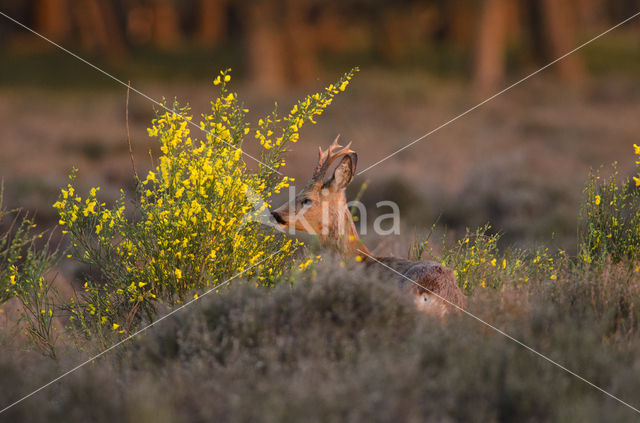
[(597, 202), (115, 326), (636, 149), (12, 278), (306, 264), (178, 273), (637, 180), (493, 262), (90, 209)]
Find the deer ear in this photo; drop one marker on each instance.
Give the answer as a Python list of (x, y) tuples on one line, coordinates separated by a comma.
[(344, 172)]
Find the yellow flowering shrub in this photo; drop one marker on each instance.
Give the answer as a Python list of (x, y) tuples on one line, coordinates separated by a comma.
[(610, 218), (609, 231), (477, 261), (23, 265), (188, 228)]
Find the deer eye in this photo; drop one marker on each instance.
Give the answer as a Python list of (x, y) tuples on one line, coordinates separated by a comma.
[(306, 202)]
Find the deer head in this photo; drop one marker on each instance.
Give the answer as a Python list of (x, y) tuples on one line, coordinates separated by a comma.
[(321, 207)]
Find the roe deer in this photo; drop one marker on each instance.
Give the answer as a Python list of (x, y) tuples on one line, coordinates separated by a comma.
[(321, 209)]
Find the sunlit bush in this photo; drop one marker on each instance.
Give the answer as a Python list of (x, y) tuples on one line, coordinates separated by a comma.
[(189, 227), (477, 261), (610, 219)]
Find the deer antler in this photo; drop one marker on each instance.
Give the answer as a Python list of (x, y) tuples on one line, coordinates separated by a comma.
[(328, 156)]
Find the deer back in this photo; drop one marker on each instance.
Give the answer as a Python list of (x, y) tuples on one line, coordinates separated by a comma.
[(430, 278)]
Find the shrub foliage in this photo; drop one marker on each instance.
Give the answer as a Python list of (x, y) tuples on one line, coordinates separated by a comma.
[(344, 345), (477, 261), (610, 219), (190, 226), (23, 270)]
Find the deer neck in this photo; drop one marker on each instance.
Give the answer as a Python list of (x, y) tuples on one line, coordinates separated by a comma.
[(342, 235)]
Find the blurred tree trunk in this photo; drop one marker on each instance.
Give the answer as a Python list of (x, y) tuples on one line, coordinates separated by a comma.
[(281, 43), (265, 51), (301, 44), (560, 31), (592, 12), (265, 46), (212, 22), (390, 24), (553, 34), (460, 16), (99, 29), (330, 31), (166, 29), (52, 19), (489, 63)]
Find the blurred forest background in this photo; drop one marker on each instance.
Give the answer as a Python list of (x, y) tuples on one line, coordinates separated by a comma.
[(519, 162)]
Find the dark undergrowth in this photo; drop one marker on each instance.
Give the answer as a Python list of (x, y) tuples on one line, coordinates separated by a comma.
[(344, 345)]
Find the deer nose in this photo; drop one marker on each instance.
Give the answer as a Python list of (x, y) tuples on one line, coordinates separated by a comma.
[(278, 218)]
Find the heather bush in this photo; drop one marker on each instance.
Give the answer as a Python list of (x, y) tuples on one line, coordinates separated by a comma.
[(344, 345)]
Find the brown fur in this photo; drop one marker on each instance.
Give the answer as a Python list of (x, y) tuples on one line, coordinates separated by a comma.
[(321, 209), (431, 278)]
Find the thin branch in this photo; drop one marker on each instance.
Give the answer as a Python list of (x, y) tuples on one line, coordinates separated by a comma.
[(133, 164)]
